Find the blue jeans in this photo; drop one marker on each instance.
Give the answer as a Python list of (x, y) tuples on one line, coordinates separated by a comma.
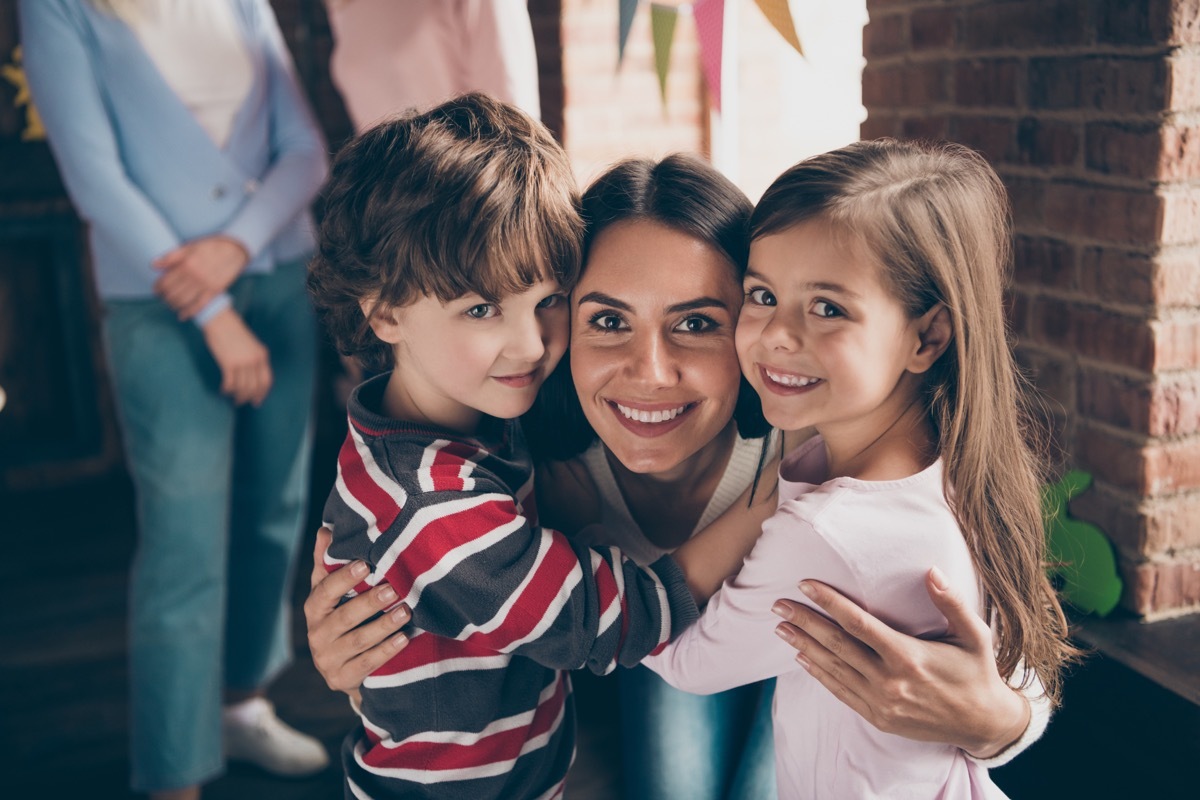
[(221, 495), (700, 747)]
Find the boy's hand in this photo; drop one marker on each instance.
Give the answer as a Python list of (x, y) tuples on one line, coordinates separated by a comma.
[(196, 272), (244, 361), (344, 650), (946, 691)]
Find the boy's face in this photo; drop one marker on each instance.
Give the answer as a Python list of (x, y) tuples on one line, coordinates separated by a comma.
[(468, 357)]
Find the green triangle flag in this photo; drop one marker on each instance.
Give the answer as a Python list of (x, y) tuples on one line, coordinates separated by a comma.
[(662, 26)]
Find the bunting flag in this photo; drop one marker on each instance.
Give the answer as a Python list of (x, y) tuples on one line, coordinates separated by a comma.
[(662, 26), (710, 29), (625, 15), (780, 15)]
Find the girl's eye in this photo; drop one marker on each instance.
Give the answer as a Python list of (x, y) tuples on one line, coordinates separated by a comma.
[(697, 323), (481, 311), (827, 310), (551, 301), (760, 297)]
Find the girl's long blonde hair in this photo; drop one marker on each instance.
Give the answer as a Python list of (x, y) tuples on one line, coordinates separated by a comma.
[(936, 217)]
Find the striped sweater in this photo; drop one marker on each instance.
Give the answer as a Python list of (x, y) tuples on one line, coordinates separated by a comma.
[(478, 706)]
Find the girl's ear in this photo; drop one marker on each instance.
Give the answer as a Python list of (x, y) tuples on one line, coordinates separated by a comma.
[(383, 319), (935, 332)]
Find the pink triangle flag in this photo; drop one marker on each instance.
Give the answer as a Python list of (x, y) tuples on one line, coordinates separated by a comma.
[(710, 29), (780, 15)]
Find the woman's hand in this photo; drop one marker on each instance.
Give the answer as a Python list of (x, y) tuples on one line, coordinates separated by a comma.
[(344, 650), (196, 272), (244, 362), (943, 691)]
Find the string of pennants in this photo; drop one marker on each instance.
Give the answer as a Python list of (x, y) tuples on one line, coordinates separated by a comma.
[(709, 16)]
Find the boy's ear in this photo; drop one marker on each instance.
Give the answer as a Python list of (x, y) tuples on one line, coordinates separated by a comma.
[(935, 332), (383, 319)]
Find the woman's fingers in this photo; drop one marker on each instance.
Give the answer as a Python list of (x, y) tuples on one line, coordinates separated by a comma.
[(964, 626), (851, 634)]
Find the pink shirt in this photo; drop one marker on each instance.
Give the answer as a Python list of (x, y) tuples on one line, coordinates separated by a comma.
[(874, 541)]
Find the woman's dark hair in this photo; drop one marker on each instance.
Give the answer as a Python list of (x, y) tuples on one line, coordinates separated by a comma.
[(681, 192)]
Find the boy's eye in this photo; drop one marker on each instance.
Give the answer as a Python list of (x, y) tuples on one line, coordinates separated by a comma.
[(760, 297), (827, 310), (551, 301), (481, 311), (697, 323), (608, 322)]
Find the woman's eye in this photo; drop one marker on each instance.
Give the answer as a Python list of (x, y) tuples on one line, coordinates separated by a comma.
[(607, 322), (826, 310), (551, 302), (481, 311), (696, 324), (760, 297)]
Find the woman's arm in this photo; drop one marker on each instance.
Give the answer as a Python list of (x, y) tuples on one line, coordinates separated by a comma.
[(947, 690)]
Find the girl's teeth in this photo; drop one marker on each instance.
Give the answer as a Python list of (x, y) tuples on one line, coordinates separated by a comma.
[(650, 416), (790, 380)]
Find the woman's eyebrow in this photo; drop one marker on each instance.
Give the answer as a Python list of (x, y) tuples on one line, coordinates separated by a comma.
[(698, 303), (605, 300)]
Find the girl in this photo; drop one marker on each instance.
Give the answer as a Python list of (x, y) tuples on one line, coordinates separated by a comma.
[(874, 312)]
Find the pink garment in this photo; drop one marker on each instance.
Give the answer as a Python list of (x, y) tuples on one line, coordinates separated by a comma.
[(874, 541), (391, 56)]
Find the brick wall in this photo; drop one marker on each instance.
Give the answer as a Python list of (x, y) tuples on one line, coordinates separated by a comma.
[(1089, 111)]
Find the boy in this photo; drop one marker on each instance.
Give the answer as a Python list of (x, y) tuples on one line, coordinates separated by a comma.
[(449, 241)]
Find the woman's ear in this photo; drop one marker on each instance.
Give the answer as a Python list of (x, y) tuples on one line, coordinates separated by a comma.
[(935, 332), (383, 319)]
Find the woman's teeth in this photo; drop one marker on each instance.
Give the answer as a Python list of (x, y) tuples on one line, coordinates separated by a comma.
[(638, 415), (790, 380)]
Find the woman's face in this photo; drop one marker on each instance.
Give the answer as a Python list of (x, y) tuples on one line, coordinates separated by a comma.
[(652, 349)]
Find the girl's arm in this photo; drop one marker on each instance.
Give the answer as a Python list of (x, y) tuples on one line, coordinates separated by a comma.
[(946, 690)]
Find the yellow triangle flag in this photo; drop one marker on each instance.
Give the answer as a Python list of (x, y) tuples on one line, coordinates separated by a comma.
[(662, 26), (780, 15)]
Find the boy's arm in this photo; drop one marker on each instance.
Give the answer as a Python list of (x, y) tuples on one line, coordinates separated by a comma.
[(473, 568)]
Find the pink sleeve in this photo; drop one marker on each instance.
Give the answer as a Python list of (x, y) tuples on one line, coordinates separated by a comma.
[(734, 642)]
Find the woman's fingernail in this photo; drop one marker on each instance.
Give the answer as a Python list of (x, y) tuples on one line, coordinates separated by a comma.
[(783, 633), (802, 661), (938, 578), (387, 594), (358, 569), (807, 588), (400, 614), (399, 640), (779, 609)]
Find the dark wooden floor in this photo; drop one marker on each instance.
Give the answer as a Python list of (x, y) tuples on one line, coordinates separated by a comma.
[(62, 680)]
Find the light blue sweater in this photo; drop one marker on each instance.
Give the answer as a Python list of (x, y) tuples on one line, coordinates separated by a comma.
[(138, 166)]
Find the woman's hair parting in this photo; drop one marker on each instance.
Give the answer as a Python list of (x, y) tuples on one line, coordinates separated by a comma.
[(471, 196), (936, 218), (681, 192)]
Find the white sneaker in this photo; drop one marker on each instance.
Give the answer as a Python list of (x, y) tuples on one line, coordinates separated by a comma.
[(254, 734)]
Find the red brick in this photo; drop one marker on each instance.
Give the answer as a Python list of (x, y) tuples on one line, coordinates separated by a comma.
[(1026, 25), (1116, 339), (1115, 514), (994, 137), (1172, 466), (1027, 196), (1177, 343), (1148, 22), (1131, 149), (926, 126), (1175, 407), (986, 82), (1017, 311), (1182, 83), (878, 125), (1054, 378), (1048, 143), (1112, 458), (1118, 400), (1160, 589), (1103, 83), (1114, 275), (1179, 154), (1180, 221), (1104, 213), (1043, 261), (924, 84), (881, 87), (1171, 524), (933, 28), (1177, 278), (885, 35)]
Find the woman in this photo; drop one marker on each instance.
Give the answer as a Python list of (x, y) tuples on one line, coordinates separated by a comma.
[(655, 437), (189, 150)]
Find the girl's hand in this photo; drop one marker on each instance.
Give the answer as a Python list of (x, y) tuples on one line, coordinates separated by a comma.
[(244, 361), (196, 272), (943, 691), (344, 649)]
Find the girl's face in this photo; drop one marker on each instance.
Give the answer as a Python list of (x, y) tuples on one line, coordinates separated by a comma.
[(652, 351), (821, 338)]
